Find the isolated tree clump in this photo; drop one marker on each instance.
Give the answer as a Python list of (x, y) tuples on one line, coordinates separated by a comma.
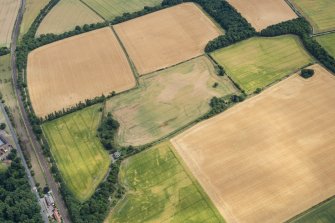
[(307, 73)]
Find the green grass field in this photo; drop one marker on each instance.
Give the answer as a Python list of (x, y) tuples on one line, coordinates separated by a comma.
[(110, 9), (320, 13), (327, 42), (324, 213), (258, 62), (79, 155), (166, 101), (65, 16), (33, 8), (3, 167), (159, 189)]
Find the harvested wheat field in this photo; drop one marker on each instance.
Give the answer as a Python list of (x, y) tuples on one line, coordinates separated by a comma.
[(166, 37), (65, 16), (82, 67), (263, 13), (270, 157), (8, 12)]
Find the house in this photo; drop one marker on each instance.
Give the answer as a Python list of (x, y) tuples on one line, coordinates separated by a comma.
[(57, 216)]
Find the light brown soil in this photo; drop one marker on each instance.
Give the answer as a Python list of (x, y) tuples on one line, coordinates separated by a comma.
[(270, 157), (263, 13), (8, 12), (167, 37), (82, 67)]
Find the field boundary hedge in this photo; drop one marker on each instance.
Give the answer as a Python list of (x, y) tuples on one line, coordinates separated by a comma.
[(237, 29)]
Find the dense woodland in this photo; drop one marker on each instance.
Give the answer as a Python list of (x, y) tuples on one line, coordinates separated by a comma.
[(236, 29), (17, 203)]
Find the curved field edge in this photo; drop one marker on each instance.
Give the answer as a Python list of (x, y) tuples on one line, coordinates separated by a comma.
[(65, 16), (80, 157), (259, 62), (169, 195), (31, 11)]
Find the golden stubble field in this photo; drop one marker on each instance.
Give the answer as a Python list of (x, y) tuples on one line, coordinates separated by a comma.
[(8, 12), (82, 67), (263, 13), (166, 37), (270, 157)]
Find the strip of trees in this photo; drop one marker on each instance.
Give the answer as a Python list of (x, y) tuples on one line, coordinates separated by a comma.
[(302, 28)]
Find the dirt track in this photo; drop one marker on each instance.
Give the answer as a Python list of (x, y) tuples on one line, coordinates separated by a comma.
[(166, 37), (82, 67), (263, 13), (271, 157)]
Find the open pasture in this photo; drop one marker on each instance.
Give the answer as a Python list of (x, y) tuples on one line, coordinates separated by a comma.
[(327, 42), (161, 190), (263, 13), (166, 101), (167, 37), (33, 8), (319, 13), (94, 64), (78, 153), (109, 9), (65, 16), (258, 62), (8, 13), (271, 157)]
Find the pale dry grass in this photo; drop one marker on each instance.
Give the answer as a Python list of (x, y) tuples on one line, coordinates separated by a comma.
[(263, 13), (65, 16), (271, 157), (82, 67), (8, 13), (166, 37)]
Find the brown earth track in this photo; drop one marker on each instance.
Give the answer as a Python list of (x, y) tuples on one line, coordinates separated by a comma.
[(166, 37), (82, 67), (263, 13), (270, 157)]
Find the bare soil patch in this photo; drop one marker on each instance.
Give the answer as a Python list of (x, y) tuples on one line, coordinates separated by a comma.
[(263, 13), (270, 157), (82, 67), (166, 37)]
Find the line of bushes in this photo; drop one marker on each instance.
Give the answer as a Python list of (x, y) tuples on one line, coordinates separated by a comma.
[(4, 51), (302, 28)]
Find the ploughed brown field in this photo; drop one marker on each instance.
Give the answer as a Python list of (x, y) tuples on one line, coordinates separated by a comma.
[(166, 37), (263, 13), (270, 157), (82, 67)]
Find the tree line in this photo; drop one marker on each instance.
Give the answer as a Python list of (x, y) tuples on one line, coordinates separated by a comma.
[(17, 202)]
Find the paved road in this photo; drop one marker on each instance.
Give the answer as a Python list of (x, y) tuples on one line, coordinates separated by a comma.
[(35, 144), (20, 154)]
